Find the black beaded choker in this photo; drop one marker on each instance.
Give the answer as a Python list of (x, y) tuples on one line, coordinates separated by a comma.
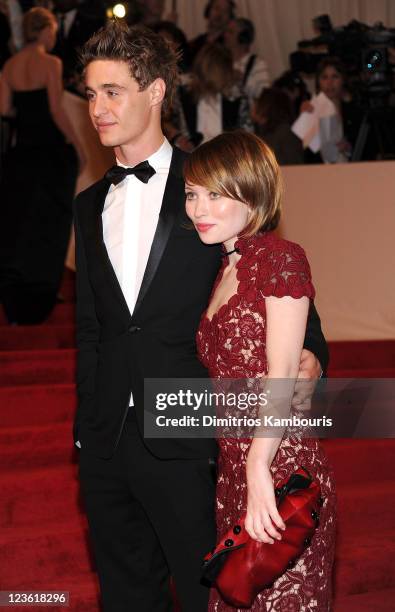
[(227, 253)]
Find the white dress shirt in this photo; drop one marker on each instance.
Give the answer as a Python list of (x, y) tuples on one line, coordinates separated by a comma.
[(209, 117), (130, 216)]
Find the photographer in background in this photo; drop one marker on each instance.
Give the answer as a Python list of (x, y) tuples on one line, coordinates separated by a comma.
[(331, 79), (218, 14), (254, 74), (77, 21), (214, 102)]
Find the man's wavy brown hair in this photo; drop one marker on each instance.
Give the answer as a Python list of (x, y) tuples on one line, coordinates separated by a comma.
[(147, 54)]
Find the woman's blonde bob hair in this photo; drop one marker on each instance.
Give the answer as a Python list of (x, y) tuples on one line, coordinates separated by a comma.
[(212, 71), (239, 165), (36, 20)]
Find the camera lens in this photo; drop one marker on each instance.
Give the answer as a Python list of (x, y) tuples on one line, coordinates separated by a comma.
[(373, 60)]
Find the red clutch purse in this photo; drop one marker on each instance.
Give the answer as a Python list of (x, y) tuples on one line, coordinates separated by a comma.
[(240, 567)]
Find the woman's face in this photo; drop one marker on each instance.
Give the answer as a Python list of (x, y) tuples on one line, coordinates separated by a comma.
[(215, 217), (330, 83)]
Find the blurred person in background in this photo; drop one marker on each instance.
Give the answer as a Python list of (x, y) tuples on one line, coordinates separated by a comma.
[(12, 35), (77, 21), (272, 116), (176, 37), (148, 13), (6, 46), (254, 74), (331, 79), (173, 120), (218, 14), (5, 34), (14, 12), (39, 175), (214, 102), (292, 84)]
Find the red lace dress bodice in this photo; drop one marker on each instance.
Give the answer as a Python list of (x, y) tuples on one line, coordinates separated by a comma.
[(233, 345)]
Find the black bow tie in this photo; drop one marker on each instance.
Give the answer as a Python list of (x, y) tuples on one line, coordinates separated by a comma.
[(142, 171)]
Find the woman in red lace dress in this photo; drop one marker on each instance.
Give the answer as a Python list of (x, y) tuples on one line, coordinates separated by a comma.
[(253, 327)]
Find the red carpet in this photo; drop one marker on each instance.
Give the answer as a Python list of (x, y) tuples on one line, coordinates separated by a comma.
[(43, 533)]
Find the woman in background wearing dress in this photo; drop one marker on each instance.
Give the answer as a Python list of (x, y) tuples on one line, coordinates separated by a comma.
[(254, 327), (39, 175)]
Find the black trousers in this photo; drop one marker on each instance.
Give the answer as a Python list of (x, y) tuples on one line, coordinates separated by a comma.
[(149, 518)]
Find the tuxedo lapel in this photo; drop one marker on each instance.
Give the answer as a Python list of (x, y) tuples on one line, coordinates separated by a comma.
[(171, 203), (102, 254), (173, 196)]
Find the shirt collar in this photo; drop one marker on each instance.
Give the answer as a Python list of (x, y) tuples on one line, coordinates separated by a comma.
[(160, 160)]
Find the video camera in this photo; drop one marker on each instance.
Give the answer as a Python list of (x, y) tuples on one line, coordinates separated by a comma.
[(367, 52)]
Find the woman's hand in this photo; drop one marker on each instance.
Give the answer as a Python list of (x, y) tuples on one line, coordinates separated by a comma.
[(263, 522)]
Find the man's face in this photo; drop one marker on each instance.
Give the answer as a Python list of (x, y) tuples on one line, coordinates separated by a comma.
[(219, 14), (231, 35), (119, 111)]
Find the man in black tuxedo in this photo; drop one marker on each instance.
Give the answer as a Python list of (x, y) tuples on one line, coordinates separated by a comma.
[(143, 279), (77, 21)]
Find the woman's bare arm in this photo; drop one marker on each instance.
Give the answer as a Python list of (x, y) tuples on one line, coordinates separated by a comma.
[(286, 324), (5, 94), (55, 96)]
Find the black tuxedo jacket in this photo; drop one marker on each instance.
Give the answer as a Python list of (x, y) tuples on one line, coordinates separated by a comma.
[(118, 349), (86, 22)]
